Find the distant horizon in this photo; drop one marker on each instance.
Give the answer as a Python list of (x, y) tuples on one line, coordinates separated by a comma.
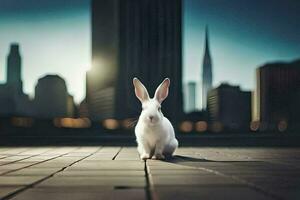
[(55, 37)]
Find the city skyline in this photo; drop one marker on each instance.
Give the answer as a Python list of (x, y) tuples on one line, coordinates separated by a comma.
[(41, 57)]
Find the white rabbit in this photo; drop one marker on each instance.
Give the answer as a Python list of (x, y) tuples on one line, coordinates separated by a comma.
[(154, 133)]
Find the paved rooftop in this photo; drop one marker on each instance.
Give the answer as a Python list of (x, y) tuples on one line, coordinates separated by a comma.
[(117, 173)]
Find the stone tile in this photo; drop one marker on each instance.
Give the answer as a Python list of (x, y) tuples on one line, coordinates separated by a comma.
[(51, 165), (59, 151), (100, 173), (185, 180), (7, 190), (207, 193), (33, 172), (4, 162), (35, 151), (86, 150), (193, 174), (2, 149), (79, 194), (14, 151), (292, 193), (127, 156), (18, 180), (78, 154), (4, 171), (110, 165), (177, 172), (110, 149), (170, 167), (120, 181), (41, 158), (14, 158), (14, 166), (154, 165)]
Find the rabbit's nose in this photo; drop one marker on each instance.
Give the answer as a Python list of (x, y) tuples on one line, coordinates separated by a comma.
[(151, 117)]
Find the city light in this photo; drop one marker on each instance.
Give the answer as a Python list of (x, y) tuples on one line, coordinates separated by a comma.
[(129, 123), (186, 126), (72, 122), (24, 122), (201, 126), (254, 126), (110, 124), (282, 126)]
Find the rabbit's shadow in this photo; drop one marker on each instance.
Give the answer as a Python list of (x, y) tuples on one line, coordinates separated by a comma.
[(192, 161), (177, 159)]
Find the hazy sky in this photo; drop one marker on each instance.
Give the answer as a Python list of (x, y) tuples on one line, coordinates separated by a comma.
[(55, 38)]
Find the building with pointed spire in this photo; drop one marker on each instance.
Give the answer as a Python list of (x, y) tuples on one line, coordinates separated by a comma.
[(206, 71)]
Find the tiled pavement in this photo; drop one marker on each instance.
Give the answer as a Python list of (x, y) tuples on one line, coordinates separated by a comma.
[(117, 173)]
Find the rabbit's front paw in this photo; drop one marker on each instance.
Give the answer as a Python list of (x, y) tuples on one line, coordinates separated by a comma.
[(158, 157), (145, 156)]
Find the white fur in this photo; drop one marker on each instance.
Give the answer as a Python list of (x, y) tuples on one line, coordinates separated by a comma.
[(155, 137)]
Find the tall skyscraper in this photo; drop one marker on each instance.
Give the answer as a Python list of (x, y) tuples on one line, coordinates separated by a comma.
[(13, 101), (134, 38), (277, 94), (14, 68), (206, 71), (101, 80)]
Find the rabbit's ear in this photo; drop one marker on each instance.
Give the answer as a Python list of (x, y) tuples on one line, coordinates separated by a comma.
[(140, 90), (162, 90)]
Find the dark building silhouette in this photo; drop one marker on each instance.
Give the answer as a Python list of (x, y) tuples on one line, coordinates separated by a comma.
[(83, 109), (51, 97), (7, 103), (131, 38), (14, 68), (277, 94), (196, 116), (13, 101), (230, 106), (71, 107), (206, 71)]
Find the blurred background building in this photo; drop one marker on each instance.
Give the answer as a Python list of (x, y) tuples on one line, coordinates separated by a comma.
[(13, 101), (52, 98), (13, 77), (139, 38), (277, 95), (191, 96), (7, 104), (207, 76), (230, 107)]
